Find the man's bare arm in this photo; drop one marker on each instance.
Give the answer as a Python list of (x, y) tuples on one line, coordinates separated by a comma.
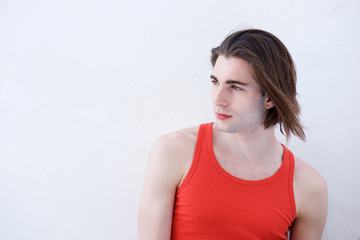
[(169, 159), (311, 190)]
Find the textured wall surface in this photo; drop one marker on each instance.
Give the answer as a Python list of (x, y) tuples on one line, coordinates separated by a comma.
[(87, 86)]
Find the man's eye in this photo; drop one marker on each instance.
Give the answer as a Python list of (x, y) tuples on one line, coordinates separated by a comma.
[(236, 88), (214, 81)]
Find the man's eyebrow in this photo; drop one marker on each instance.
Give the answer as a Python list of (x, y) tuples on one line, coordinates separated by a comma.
[(235, 82), (230, 81)]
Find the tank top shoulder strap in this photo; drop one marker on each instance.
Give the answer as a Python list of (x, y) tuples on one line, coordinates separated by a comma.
[(199, 147), (290, 162)]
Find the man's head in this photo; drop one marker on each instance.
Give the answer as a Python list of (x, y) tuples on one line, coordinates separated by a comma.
[(274, 71)]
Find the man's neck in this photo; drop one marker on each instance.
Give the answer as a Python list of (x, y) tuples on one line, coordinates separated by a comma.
[(258, 146)]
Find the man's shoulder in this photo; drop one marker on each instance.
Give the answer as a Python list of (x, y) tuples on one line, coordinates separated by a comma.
[(305, 174), (173, 153), (179, 140), (309, 185), (176, 147)]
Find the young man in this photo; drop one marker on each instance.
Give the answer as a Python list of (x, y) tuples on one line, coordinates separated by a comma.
[(232, 179)]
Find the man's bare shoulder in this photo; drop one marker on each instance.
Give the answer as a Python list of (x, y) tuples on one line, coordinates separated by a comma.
[(177, 143), (309, 186), (173, 152), (305, 174)]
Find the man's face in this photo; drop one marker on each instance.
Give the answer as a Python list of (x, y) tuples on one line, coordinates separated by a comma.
[(238, 103)]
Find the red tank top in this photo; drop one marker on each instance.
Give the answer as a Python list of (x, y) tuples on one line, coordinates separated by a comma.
[(212, 204)]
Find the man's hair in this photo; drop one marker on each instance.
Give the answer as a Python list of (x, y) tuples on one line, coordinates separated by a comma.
[(273, 69)]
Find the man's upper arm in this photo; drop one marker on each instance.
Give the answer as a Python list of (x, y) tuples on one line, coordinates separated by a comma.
[(313, 206), (164, 171)]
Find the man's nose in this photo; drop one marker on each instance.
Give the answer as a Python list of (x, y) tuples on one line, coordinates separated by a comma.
[(220, 96)]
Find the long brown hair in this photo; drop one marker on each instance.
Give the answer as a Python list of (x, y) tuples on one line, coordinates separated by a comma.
[(273, 69)]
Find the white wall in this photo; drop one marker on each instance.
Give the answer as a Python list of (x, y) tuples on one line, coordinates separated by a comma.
[(87, 86)]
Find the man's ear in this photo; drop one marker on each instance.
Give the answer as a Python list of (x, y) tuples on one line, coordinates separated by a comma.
[(268, 103)]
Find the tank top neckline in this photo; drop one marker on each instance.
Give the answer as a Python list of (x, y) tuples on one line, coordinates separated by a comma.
[(278, 173)]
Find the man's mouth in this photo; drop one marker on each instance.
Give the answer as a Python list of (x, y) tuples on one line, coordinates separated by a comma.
[(222, 116)]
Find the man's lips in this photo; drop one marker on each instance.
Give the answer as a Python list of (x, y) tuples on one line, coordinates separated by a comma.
[(222, 116)]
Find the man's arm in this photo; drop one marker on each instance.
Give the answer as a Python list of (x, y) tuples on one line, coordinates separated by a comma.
[(311, 202), (169, 159)]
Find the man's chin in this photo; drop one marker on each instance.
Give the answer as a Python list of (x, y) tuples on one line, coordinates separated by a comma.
[(225, 127)]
